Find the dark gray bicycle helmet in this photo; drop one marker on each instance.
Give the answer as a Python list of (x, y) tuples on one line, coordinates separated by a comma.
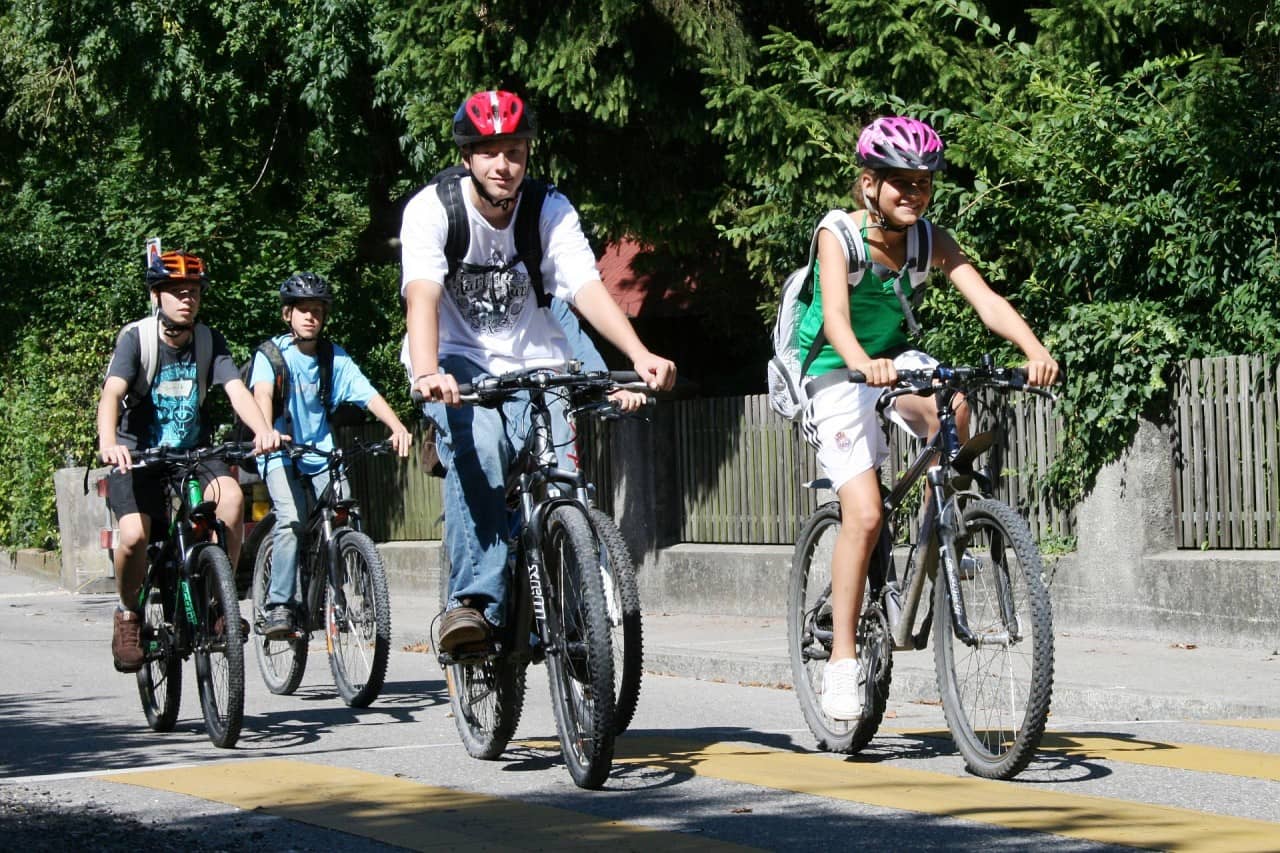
[(305, 285)]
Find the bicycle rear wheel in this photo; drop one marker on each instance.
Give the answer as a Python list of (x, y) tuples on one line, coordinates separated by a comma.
[(622, 597), (358, 629), (281, 662), (486, 697), (809, 637), (219, 646), (996, 693), (160, 679), (580, 662)]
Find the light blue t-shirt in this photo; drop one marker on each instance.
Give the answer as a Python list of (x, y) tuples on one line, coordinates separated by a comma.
[(310, 423)]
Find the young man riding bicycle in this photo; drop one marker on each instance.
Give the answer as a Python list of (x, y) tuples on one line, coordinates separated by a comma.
[(484, 313), (153, 395), (310, 369)]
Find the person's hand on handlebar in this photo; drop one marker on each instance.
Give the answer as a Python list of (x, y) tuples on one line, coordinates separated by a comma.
[(117, 456), (267, 441), (401, 441), (628, 401), (879, 372), (657, 372), (438, 387), (1042, 369)]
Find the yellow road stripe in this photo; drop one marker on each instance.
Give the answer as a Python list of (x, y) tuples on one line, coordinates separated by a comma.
[(1022, 807), (1266, 725), (1152, 753), (408, 814)]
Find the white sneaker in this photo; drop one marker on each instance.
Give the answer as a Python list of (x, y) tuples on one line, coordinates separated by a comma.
[(842, 690)]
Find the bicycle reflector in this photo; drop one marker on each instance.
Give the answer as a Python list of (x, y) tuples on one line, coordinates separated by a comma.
[(341, 515)]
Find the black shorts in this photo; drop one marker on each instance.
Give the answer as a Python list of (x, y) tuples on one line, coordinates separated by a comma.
[(142, 489)]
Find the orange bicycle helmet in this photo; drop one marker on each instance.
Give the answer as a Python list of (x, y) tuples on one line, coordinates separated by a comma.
[(173, 267)]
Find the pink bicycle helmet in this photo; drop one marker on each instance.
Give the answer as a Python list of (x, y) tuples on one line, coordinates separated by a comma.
[(900, 142)]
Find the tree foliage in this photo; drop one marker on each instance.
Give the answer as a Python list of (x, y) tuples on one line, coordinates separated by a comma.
[(1114, 170)]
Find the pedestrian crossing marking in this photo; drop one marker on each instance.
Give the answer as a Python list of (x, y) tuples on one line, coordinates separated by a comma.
[(405, 813), (1021, 807), (1265, 725), (1151, 753)]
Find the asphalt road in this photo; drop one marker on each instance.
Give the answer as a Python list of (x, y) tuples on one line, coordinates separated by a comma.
[(705, 766)]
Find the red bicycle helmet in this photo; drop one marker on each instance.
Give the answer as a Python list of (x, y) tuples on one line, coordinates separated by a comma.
[(173, 267), (900, 142), (494, 114)]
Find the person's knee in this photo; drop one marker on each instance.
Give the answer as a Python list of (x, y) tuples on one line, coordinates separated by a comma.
[(132, 537), (230, 498)]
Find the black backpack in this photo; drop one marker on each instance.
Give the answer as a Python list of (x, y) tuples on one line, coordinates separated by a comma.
[(448, 184), (280, 391)]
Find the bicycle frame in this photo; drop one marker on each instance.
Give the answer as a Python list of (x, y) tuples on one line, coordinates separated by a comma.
[(188, 532), (939, 527)]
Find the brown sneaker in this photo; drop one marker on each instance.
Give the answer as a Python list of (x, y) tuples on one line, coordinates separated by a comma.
[(126, 641), (462, 626)]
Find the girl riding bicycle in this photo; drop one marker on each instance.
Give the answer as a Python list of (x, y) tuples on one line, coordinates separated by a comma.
[(856, 321)]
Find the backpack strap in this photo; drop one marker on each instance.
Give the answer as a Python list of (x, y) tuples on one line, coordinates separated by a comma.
[(841, 224), (279, 377), (149, 357), (204, 356), (529, 235), (324, 358), (449, 191), (916, 267)]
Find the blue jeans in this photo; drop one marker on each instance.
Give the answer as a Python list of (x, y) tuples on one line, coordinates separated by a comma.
[(478, 445), (292, 500)]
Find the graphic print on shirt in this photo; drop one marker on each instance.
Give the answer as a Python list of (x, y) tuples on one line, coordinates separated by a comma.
[(490, 298), (177, 401)]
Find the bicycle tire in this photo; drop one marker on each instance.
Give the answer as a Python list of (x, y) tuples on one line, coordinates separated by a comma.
[(996, 696), (622, 595), (219, 647), (160, 679), (282, 663), (359, 639), (485, 697), (580, 660), (809, 644)]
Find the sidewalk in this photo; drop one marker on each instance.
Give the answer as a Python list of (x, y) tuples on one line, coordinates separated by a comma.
[(1096, 678)]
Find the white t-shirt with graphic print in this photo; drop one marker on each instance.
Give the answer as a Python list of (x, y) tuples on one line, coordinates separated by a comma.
[(489, 313)]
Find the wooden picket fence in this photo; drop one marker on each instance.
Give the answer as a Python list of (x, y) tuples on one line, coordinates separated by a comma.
[(1227, 433), (740, 470)]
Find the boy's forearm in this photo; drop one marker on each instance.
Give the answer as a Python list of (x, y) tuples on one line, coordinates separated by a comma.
[(383, 412), (246, 407), (604, 315)]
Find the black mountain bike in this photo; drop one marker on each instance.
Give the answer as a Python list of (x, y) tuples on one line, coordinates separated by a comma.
[(991, 617), (189, 600), (556, 609), (342, 587), (618, 574)]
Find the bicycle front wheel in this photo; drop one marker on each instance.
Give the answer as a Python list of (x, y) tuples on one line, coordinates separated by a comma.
[(160, 679), (622, 598), (996, 691), (219, 647), (580, 661), (486, 697), (358, 622), (809, 637), (281, 662)]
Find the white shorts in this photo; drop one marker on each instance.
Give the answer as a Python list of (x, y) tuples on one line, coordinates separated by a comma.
[(840, 421)]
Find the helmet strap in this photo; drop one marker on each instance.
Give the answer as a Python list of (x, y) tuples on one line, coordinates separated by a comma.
[(502, 204), (873, 208), (170, 329)]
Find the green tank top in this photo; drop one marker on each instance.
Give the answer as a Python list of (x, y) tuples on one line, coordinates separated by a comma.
[(876, 315)]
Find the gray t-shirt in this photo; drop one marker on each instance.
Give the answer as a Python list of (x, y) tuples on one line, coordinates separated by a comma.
[(170, 415)]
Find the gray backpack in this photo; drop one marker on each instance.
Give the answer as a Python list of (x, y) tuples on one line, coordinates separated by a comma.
[(787, 367)]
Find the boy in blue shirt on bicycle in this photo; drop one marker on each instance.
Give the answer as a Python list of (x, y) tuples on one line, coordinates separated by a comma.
[(304, 416)]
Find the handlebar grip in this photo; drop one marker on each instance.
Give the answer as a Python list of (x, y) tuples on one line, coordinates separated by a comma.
[(857, 375), (625, 377)]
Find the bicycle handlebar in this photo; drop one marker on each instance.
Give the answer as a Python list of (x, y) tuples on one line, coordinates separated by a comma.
[(296, 449), (486, 389), (231, 451)]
